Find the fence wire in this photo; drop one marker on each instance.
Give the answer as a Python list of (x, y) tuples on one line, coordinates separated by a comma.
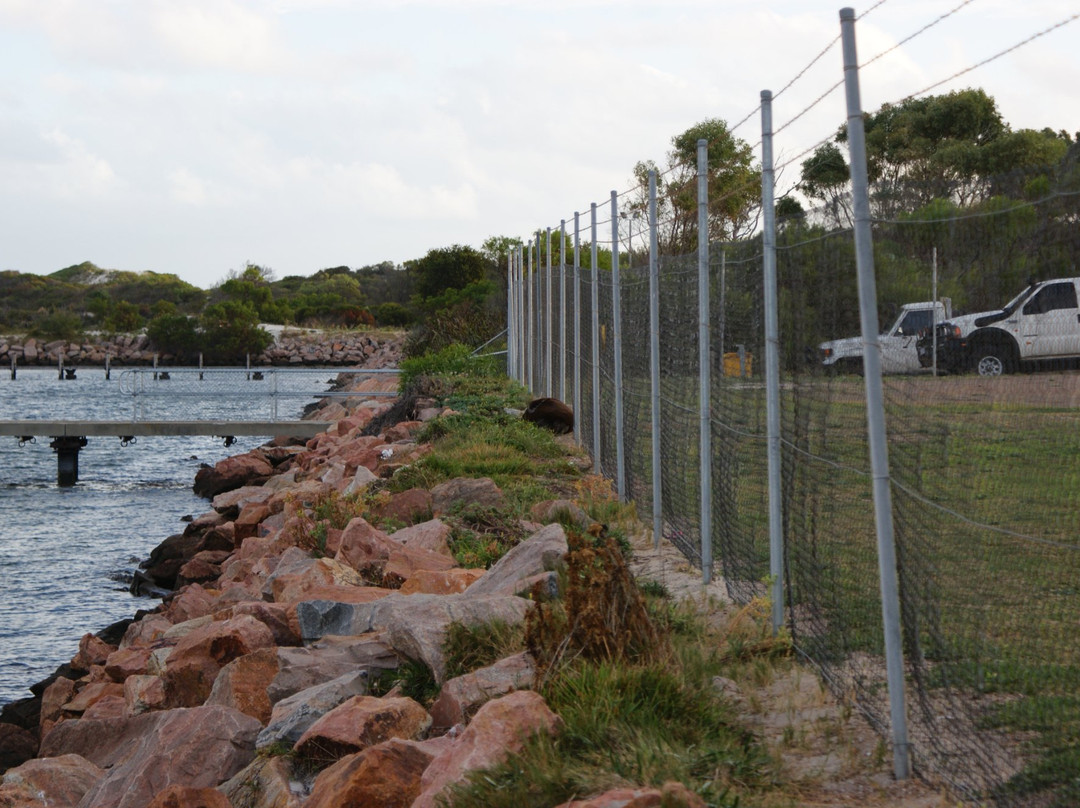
[(985, 471)]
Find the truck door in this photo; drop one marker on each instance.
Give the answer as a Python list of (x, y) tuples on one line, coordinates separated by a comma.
[(1050, 322), (898, 354)]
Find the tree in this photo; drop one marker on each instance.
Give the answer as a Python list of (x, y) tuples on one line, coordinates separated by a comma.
[(123, 318), (449, 268), (734, 187), (954, 146), (230, 331), (174, 333)]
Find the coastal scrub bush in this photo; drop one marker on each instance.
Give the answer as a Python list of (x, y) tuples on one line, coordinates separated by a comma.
[(452, 360), (58, 324)]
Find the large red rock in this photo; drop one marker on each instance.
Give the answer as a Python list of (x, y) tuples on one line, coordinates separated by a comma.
[(56, 781), (408, 507), (499, 729), (232, 472), (56, 695), (322, 572), (444, 582), (197, 659), (143, 693), (462, 696), (405, 562), (185, 797), (242, 684), (475, 492), (360, 722), (191, 602), (432, 535), (199, 747), (92, 651), (91, 694), (126, 662), (364, 547), (278, 617), (671, 795), (203, 568), (386, 775)]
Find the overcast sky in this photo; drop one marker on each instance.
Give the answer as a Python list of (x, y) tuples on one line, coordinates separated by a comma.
[(193, 136)]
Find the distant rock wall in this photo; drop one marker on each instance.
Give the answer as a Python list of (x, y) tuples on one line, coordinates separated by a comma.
[(307, 348)]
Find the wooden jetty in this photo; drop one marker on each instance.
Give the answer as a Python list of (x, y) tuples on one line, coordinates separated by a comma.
[(68, 437)]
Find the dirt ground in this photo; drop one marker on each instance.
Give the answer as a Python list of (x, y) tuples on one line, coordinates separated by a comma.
[(827, 753)]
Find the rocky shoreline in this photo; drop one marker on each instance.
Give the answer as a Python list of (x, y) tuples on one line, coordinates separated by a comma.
[(290, 348), (267, 650)]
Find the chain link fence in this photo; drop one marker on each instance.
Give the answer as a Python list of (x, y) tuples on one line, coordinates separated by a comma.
[(984, 470)]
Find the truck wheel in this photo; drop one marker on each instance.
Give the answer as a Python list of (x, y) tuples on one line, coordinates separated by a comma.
[(992, 360)]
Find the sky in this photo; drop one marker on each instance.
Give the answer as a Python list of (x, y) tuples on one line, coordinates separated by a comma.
[(196, 136)]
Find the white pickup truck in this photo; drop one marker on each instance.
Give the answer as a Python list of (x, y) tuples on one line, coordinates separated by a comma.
[(1040, 323), (898, 351)]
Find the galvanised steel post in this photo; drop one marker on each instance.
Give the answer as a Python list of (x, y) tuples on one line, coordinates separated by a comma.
[(654, 361), (549, 331), (511, 310), (875, 407), (522, 285), (520, 279), (616, 328), (577, 328), (562, 310), (538, 366), (595, 344), (772, 366), (704, 366), (530, 330)]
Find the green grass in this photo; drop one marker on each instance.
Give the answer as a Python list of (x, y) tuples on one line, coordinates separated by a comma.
[(981, 595), (626, 725), (986, 505)]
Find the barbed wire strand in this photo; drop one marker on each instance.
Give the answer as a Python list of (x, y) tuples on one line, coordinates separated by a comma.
[(921, 31), (996, 56)]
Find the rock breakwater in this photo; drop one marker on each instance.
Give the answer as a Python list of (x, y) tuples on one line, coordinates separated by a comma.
[(255, 682), (289, 349)]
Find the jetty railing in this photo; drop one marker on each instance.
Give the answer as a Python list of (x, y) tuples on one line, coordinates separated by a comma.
[(231, 389)]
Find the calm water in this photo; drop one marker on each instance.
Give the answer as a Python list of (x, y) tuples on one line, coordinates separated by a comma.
[(66, 554)]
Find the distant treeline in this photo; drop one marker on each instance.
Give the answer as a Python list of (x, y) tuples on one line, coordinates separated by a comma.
[(455, 286)]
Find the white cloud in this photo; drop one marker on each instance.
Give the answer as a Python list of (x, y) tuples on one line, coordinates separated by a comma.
[(220, 34)]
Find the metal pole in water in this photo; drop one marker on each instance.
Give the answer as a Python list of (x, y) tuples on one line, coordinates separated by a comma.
[(61, 367), (107, 370)]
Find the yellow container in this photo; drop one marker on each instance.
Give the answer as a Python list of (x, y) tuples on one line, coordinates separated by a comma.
[(732, 367)]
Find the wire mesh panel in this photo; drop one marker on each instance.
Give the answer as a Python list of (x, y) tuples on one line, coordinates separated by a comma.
[(984, 469), (984, 472), (680, 464)]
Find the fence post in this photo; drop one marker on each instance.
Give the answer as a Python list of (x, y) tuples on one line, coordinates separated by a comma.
[(772, 366), (875, 407), (521, 312), (530, 331), (577, 328), (704, 365), (616, 344), (562, 310), (654, 362), (511, 310), (595, 345), (538, 370), (549, 314)]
